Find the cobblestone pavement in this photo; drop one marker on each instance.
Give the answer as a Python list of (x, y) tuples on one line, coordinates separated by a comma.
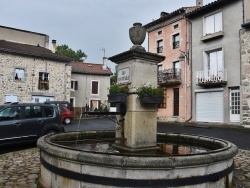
[(21, 169)]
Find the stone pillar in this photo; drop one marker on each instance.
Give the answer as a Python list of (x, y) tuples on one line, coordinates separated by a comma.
[(140, 124)]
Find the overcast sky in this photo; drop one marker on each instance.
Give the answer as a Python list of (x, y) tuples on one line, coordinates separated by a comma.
[(89, 25)]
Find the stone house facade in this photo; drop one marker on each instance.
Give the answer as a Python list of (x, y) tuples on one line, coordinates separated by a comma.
[(89, 85), (169, 36), (245, 64), (31, 72)]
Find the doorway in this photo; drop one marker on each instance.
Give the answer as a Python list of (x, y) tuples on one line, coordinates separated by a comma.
[(234, 104), (176, 102)]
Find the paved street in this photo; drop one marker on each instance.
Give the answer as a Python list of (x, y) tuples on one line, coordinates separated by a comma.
[(21, 169)]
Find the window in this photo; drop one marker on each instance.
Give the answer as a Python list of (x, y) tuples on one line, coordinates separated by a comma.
[(33, 112), (94, 88), (164, 104), (176, 41), (159, 46), (159, 32), (176, 26), (19, 74), (160, 73), (214, 63), (213, 23), (43, 81), (74, 85), (49, 112), (11, 113), (176, 69)]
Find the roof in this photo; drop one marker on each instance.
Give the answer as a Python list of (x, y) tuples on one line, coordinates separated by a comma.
[(89, 68), (209, 7), (166, 16), (31, 50), (23, 30)]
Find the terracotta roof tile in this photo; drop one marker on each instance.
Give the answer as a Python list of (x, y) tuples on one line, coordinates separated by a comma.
[(31, 50), (89, 68)]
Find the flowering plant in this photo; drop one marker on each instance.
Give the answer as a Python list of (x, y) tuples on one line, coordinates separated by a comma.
[(116, 88), (147, 89)]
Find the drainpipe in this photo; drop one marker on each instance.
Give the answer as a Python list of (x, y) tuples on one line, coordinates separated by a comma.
[(190, 64), (65, 82)]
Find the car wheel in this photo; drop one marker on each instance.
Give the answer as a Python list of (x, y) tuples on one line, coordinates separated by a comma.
[(67, 121), (50, 132)]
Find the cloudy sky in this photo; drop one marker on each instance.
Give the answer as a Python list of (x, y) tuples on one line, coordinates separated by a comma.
[(89, 25)]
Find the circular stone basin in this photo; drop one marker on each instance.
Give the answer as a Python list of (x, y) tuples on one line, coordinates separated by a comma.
[(74, 160)]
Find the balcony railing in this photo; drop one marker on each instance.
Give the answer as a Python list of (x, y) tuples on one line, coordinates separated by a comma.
[(169, 77), (208, 77)]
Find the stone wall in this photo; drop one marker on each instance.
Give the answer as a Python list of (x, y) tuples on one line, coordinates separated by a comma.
[(59, 78), (245, 67)]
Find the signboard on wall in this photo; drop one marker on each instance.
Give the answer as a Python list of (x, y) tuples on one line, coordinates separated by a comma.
[(123, 76)]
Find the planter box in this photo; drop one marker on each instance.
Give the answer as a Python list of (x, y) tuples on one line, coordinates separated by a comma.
[(117, 98), (147, 99)]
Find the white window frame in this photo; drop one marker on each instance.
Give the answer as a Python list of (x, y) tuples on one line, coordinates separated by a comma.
[(19, 73), (212, 23), (217, 59), (98, 89)]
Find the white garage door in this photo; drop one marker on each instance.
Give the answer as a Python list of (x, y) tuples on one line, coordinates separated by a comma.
[(209, 107), (42, 98), (10, 98)]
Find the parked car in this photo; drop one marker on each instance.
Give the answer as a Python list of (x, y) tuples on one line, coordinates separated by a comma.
[(66, 114), (26, 122), (59, 103)]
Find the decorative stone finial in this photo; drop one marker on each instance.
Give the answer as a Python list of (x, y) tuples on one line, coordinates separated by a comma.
[(137, 35)]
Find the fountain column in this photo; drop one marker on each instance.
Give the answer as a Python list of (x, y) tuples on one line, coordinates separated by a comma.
[(135, 68)]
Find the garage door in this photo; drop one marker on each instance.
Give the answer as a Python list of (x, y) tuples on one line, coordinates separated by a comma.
[(42, 98), (209, 107)]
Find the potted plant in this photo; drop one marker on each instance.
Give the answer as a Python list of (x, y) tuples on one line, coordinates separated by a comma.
[(118, 93), (150, 95)]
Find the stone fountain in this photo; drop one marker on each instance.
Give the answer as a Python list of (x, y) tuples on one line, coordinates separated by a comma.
[(134, 155)]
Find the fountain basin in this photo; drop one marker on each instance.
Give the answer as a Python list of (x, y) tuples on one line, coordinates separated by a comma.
[(63, 166)]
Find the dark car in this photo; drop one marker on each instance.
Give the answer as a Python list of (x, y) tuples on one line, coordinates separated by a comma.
[(26, 122), (59, 103), (66, 114)]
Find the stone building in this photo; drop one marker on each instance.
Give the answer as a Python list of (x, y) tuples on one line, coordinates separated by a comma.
[(245, 64), (89, 84), (29, 71)]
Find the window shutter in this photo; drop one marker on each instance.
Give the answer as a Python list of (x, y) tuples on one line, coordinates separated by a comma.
[(94, 87), (218, 22), (76, 85), (209, 21)]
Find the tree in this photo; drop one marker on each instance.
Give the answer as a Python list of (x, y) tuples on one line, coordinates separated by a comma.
[(78, 56), (113, 78)]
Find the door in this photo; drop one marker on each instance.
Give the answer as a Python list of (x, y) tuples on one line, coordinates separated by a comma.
[(33, 121), (10, 125), (176, 102), (234, 104), (209, 106)]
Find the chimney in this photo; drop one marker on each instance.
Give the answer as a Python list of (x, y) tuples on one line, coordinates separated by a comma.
[(104, 63), (199, 3), (53, 46)]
